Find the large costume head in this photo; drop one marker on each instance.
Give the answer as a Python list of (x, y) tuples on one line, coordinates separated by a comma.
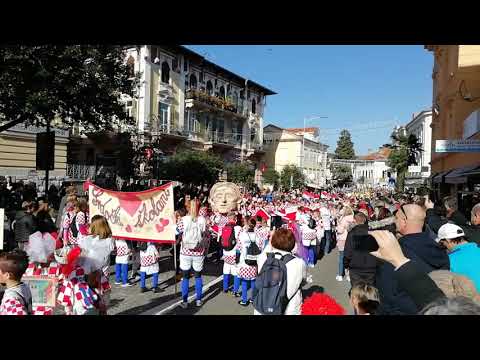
[(225, 197)]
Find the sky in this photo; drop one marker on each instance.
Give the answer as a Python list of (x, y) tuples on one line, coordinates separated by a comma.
[(367, 89)]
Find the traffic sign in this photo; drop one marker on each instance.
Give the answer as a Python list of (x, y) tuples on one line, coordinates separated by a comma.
[(445, 146)]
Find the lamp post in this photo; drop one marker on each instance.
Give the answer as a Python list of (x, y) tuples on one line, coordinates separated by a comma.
[(305, 120)]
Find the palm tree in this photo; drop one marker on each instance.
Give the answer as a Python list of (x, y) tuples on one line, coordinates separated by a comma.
[(406, 151)]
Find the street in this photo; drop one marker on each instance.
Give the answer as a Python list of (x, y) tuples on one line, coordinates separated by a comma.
[(129, 301)]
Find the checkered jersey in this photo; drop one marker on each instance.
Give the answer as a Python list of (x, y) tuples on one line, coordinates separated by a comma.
[(121, 248), (180, 225), (150, 256), (308, 234), (51, 270), (12, 306), (245, 271), (80, 219), (42, 310), (262, 232)]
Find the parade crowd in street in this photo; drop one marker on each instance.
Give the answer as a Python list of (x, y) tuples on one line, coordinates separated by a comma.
[(402, 254)]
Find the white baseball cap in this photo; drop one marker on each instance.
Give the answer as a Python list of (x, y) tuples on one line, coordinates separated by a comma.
[(449, 231)]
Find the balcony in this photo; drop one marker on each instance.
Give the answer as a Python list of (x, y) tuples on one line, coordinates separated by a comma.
[(84, 172), (223, 140), (206, 102)]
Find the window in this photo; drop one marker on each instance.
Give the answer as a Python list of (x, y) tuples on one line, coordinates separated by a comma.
[(209, 88), (165, 73), (154, 53), (131, 66), (202, 77), (248, 94), (193, 81), (222, 92), (221, 127), (253, 132), (185, 65), (163, 116), (175, 64), (235, 99), (242, 94), (216, 83), (193, 123), (254, 106)]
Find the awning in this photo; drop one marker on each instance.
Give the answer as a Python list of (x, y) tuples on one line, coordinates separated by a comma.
[(439, 177), (459, 176)]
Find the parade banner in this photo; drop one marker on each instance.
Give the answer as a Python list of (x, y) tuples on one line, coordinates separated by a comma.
[(139, 216)]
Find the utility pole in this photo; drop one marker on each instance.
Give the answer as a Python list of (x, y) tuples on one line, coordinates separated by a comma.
[(47, 170)]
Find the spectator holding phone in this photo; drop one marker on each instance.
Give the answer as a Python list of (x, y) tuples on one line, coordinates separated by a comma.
[(416, 245)]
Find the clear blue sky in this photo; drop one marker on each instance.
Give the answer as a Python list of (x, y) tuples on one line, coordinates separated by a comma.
[(363, 88)]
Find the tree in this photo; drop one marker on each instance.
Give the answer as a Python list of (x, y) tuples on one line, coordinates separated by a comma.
[(341, 173), (192, 167), (272, 177), (74, 83), (241, 173), (405, 152), (344, 148), (292, 177)]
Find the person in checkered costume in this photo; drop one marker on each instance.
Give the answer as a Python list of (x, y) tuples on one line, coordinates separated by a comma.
[(40, 250), (79, 222), (247, 273), (149, 266), (192, 259), (17, 299), (121, 262), (262, 230), (67, 220), (309, 240), (229, 259)]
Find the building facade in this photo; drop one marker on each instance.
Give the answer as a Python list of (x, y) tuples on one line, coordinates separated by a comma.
[(420, 126), (18, 149), (299, 147), (187, 102), (456, 107), (369, 170)]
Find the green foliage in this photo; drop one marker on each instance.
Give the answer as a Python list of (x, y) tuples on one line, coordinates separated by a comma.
[(75, 83), (341, 173), (406, 151), (241, 174), (344, 148), (192, 167), (271, 176), (292, 177)]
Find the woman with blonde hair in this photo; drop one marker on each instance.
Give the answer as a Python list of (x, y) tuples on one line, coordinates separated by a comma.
[(192, 250), (346, 220)]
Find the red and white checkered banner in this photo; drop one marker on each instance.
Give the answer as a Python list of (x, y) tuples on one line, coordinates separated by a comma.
[(140, 216)]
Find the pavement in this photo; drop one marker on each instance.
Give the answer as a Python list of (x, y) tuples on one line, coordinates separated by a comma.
[(129, 301)]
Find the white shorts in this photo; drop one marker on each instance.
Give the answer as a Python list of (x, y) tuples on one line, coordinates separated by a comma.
[(188, 262), (230, 269)]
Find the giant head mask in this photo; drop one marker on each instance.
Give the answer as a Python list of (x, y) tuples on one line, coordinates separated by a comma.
[(225, 197)]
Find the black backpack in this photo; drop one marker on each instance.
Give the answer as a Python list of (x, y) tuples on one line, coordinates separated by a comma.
[(73, 226), (252, 252), (312, 224), (270, 293)]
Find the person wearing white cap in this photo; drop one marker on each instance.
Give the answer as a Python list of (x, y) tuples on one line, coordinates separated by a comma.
[(464, 256)]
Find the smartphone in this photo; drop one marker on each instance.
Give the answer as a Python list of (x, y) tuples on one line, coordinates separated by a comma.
[(276, 221), (365, 243)]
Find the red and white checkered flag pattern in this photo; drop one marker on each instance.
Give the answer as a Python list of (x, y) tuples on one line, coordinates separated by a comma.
[(42, 310), (147, 260), (13, 307), (123, 250)]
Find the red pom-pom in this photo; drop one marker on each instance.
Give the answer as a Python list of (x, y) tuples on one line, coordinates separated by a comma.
[(321, 304), (72, 256)]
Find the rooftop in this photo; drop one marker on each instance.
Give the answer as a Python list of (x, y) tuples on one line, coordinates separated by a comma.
[(381, 154)]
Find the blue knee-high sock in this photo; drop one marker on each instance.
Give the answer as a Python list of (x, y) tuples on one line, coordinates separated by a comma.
[(244, 290), (155, 280), (236, 284), (198, 287), (118, 272), (252, 286), (185, 289), (226, 281), (143, 275)]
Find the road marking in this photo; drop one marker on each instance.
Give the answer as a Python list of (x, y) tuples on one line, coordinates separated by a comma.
[(191, 297)]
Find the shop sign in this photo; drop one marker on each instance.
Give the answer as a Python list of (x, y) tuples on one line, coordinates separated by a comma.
[(447, 146)]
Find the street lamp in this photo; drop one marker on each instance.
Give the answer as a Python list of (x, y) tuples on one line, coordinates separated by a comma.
[(305, 120)]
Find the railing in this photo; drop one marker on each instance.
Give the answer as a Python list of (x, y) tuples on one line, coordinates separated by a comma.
[(224, 138), (215, 101), (156, 126), (84, 172)]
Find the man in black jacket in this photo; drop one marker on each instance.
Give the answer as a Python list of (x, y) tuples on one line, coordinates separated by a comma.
[(24, 225), (417, 246), (362, 265)]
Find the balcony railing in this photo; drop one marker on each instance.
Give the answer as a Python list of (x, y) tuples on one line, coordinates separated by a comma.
[(216, 102), (84, 172), (234, 139)]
